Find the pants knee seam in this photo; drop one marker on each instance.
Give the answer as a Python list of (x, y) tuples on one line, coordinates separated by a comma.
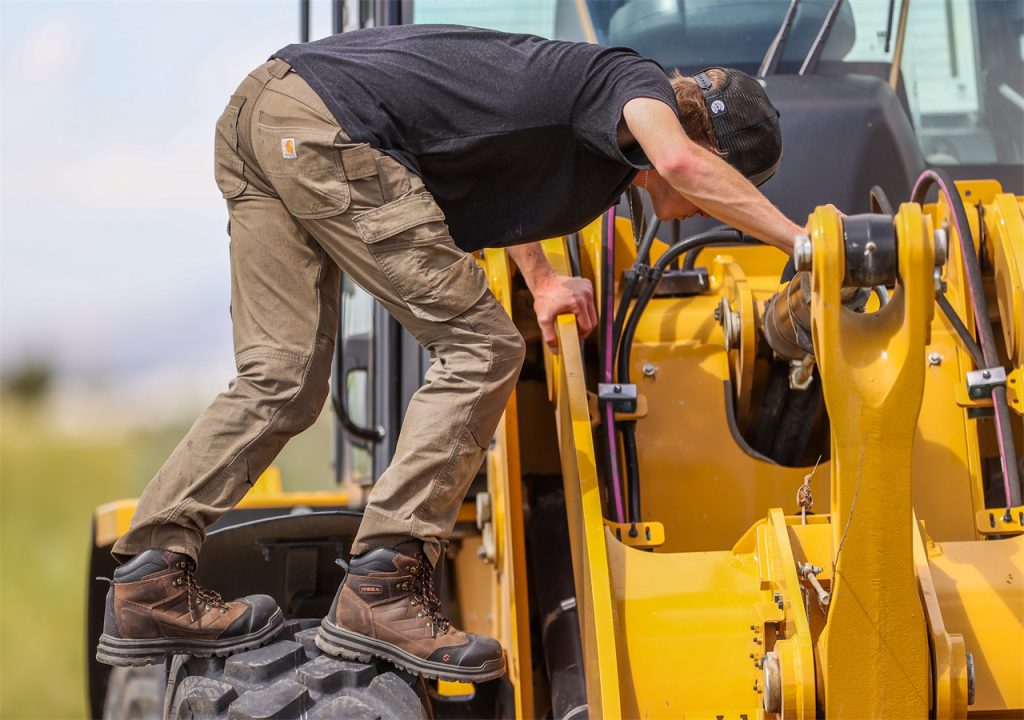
[(300, 387), (435, 484)]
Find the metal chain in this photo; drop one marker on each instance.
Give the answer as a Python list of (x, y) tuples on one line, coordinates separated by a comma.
[(632, 213)]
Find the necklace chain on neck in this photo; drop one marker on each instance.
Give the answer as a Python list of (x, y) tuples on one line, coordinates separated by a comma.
[(637, 236)]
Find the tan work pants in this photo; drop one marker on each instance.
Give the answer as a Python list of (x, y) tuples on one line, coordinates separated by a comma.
[(305, 202)]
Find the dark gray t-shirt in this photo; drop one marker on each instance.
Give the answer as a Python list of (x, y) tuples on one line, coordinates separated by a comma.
[(515, 136)]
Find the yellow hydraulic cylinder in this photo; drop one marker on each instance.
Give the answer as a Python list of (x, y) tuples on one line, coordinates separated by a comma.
[(873, 652)]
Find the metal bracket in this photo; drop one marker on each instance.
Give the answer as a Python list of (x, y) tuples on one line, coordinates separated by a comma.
[(683, 283), (1000, 521), (981, 382), (622, 397), (638, 535)]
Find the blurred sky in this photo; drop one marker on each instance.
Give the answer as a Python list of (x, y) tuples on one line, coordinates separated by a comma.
[(113, 250)]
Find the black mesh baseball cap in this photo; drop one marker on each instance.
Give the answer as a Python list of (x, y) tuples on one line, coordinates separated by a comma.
[(746, 123)]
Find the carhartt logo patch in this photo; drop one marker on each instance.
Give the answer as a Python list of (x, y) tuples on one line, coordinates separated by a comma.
[(370, 588), (288, 148)]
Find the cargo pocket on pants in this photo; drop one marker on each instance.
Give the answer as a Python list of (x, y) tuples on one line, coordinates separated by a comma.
[(228, 167), (410, 242)]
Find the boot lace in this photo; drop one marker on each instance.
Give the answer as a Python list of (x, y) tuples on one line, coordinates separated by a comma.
[(422, 587), (196, 594)]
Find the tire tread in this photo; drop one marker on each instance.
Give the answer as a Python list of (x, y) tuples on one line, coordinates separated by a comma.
[(290, 677)]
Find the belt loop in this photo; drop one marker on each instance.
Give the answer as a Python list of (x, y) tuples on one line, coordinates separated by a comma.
[(279, 68)]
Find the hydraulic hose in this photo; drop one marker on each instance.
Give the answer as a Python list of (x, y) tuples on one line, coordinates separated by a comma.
[(652, 275), (880, 201), (711, 237), (990, 354), (643, 254), (608, 356), (690, 261), (628, 428)]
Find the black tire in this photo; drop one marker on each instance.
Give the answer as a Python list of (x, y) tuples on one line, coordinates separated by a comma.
[(135, 693), (290, 678)]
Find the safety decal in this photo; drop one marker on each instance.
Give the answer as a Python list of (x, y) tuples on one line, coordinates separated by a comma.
[(288, 148)]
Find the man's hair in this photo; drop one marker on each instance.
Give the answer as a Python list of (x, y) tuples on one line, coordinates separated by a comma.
[(693, 111)]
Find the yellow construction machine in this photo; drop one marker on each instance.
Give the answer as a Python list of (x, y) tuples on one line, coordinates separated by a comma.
[(885, 580)]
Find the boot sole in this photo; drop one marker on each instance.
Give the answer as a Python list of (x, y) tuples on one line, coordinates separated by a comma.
[(122, 652), (353, 646)]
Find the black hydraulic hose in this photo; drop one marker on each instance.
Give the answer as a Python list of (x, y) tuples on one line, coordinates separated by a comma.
[(607, 360), (1004, 431), (643, 254), (958, 325), (711, 237), (690, 261), (880, 201), (632, 472), (653, 275), (573, 244)]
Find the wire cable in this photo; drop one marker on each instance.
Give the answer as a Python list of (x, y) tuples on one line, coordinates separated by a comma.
[(990, 354)]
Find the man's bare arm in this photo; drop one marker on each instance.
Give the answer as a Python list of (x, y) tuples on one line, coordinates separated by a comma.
[(554, 294), (702, 177)]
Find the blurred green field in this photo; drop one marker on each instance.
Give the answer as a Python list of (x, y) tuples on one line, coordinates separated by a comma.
[(49, 485)]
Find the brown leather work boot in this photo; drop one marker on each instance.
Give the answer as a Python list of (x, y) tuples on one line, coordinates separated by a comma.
[(386, 607), (155, 609)]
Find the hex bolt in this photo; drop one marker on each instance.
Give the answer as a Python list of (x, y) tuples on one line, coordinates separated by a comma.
[(649, 370), (802, 253), (934, 358), (986, 374), (617, 388), (777, 597), (870, 248)]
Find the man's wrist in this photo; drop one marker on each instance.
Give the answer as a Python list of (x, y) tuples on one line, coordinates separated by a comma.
[(534, 266)]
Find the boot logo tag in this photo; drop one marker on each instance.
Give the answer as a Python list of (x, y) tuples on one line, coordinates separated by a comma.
[(370, 588)]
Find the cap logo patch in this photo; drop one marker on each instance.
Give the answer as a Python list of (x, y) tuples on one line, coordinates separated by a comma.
[(288, 148), (717, 107)]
